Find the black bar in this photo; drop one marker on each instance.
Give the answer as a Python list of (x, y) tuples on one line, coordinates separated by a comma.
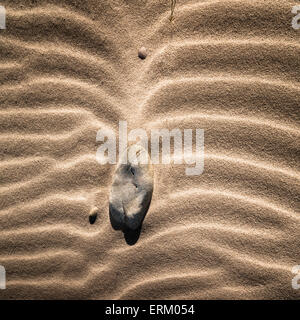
[(156, 309)]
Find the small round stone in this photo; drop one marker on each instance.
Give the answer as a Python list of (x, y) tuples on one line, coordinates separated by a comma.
[(142, 53), (93, 215)]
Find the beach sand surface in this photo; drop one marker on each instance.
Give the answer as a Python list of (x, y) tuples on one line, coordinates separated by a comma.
[(69, 68)]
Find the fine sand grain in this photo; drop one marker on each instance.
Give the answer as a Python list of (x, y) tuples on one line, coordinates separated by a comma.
[(69, 68)]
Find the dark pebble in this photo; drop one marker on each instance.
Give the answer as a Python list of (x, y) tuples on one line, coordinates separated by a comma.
[(93, 215)]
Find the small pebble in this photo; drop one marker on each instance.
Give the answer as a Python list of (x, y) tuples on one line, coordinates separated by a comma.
[(93, 215), (142, 53)]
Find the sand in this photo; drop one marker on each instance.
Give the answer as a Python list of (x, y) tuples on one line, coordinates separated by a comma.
[(69, 68)]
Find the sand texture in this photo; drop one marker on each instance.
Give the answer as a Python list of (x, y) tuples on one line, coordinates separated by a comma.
[(70, 67)]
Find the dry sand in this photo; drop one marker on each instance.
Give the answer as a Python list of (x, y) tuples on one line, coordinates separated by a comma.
[(71, 67)]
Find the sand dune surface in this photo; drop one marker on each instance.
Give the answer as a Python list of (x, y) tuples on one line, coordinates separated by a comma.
[(69, 68)]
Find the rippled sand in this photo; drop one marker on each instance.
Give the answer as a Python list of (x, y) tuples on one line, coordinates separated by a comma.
[(69, 68)]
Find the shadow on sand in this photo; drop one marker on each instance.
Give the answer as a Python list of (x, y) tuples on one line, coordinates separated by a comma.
[(131, 236)]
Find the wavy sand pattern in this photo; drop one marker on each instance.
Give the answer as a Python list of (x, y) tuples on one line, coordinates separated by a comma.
[(70, 67)]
